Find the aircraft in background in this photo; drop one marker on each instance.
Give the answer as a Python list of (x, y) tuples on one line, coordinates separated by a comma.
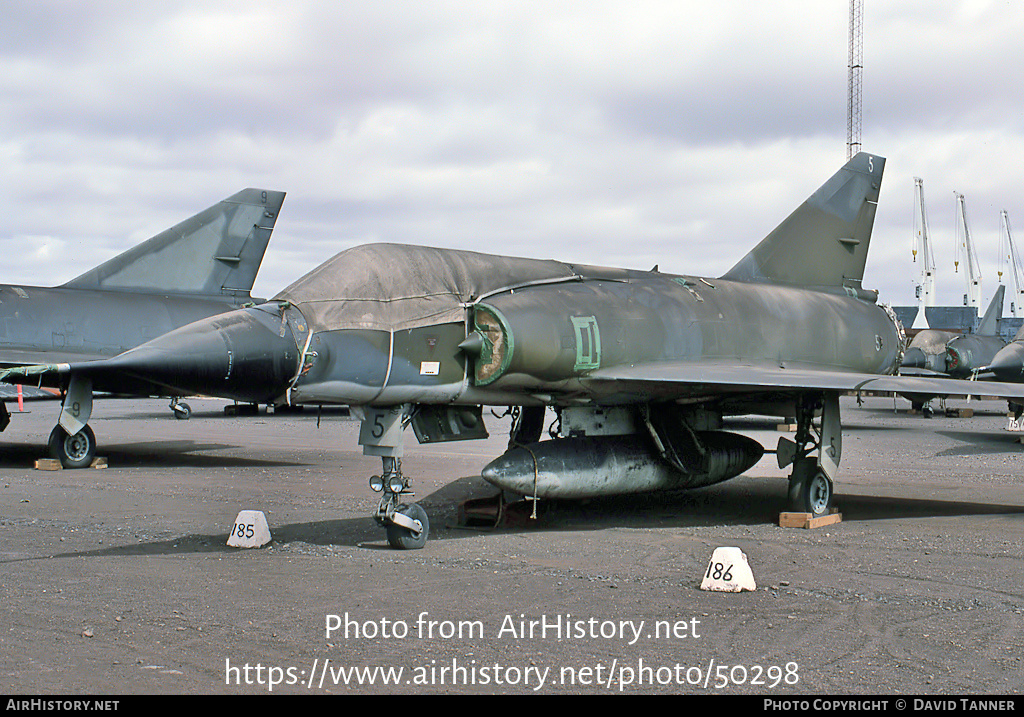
[(203, 266), (1008, 363), (639, 367), (955, 354), (934, 352)]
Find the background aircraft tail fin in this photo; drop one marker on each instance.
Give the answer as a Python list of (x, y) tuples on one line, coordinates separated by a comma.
[(824, 243), (217, 252), (989, 325)]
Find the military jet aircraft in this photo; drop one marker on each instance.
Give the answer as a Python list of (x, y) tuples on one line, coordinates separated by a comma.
[(639, 367), (202, 266), (934, 352), (953, 353), (1008, 362)]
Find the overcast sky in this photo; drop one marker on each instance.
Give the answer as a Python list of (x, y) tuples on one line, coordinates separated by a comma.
[(619, 133)]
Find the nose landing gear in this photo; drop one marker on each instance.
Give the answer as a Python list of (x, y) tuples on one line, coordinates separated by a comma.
[(407, 525), (380, 434), (181, 410)]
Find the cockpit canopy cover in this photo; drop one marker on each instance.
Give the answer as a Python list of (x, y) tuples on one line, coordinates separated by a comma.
[(391, 287)]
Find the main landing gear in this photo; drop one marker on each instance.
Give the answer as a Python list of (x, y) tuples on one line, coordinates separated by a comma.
[(72, 441), (73, 451), (810, 490), (810, 483)]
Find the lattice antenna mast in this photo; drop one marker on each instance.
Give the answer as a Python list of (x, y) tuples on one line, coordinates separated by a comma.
[(856, 67)]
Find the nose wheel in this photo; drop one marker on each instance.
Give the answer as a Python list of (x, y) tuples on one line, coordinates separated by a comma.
[(412, 532), (181, 410), (406, 524)]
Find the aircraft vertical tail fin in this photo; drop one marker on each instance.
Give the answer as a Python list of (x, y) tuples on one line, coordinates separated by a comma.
[(217, 252), (989, 325), (824, 243)]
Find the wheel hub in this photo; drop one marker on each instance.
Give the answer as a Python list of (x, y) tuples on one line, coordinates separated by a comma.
[(76, 446)]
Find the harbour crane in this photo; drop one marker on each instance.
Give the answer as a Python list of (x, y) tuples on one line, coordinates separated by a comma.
[(925, 290), (965, 248), (1010, 252)]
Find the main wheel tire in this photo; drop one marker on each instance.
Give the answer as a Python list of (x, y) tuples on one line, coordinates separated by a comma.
[(401, 538), (75, 451), (812, 494)]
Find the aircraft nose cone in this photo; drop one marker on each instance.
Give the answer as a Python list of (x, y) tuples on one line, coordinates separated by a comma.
[(247, 355), (1008, 363)]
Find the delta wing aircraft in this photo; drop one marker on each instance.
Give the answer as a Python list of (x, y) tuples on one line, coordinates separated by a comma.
[(1008, 363), (202, 266), (639, 367), (955, 354), (934, 352)]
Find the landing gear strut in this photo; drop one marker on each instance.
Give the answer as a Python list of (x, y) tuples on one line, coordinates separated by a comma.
[(407, 525), (380, 434), (810, 483), (72, 441)]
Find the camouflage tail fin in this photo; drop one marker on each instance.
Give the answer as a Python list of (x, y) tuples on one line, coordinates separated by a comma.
[(217, 252), (989, 325), (824, 243)]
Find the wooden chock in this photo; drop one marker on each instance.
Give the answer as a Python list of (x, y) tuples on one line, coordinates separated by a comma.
[(807, 520)]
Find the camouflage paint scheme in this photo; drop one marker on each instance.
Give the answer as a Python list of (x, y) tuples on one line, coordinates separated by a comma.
[(966, 355), (200, 267), (1008, 362), (955, 354), (934, 352), (640, 367)]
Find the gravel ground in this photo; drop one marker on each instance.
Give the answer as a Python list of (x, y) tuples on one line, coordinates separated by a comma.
[(119, 581)]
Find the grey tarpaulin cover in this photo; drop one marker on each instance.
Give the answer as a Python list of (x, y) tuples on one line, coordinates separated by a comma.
[(391, 287)]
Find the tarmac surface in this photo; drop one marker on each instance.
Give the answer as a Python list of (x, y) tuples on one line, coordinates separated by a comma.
[(119, 581)]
